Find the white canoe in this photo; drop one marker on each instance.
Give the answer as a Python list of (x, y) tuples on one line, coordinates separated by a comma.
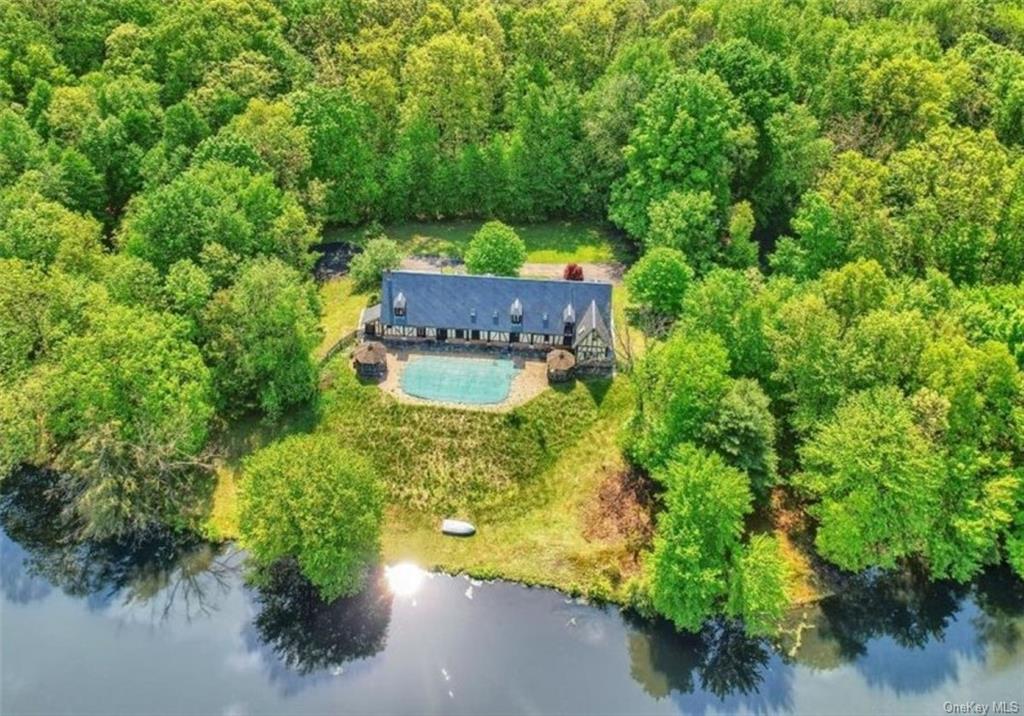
[(457, 528)]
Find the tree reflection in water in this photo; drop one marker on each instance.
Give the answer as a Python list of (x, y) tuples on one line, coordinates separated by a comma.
[(169, 572), (873, 623), (719, 666), (307, 634)]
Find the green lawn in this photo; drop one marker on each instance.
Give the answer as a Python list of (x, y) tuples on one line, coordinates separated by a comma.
[(341, 306), (548, 242)]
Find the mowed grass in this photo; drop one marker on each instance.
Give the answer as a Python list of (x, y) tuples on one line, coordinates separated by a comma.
[(341, 306), (547, 242)]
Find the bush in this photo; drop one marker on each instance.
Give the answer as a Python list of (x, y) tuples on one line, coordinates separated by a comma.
[(573, 272), (380, 255), (495, 249), (310, 499)]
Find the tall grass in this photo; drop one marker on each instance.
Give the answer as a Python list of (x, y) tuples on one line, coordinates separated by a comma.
[(440, 460)]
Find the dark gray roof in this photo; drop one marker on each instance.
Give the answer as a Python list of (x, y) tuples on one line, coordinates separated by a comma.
[(590, 323), (435, 300)]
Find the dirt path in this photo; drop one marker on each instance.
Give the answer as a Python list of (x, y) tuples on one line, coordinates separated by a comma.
[(611, 272)]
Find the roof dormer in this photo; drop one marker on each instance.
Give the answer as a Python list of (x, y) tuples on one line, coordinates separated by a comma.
[(515, 312), (398, 306)]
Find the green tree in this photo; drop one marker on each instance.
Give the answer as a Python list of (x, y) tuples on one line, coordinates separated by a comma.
[(379, 255), (260, 334), (846, 216), (736, 307), (679, 385), (742, 430), (875, 478), (690, 137), (309, 499), (697, 537), (23, 305), (341, 153), (495, 249), (953, 190), (689, 222), (658, 282), (980, 395), (282, 144), (217, 203), (127, 409), (757, 586), (805, 338), (35, 229), (450, 82)]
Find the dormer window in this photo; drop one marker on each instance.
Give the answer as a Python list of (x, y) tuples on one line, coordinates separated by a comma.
[(569, 314), (515, 312), (398, 307)]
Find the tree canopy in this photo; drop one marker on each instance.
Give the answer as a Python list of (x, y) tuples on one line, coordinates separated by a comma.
[(309, 499)]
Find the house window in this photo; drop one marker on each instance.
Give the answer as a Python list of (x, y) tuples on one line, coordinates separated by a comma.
[(421, 332), (460, 333), (475, 335)]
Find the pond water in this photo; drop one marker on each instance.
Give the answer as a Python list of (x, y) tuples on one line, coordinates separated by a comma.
[(169, 627)]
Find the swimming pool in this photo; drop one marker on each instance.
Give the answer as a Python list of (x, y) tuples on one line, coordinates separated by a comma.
[(449, 379)]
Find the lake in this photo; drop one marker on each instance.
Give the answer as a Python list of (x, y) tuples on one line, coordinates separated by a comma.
[(168, 626)]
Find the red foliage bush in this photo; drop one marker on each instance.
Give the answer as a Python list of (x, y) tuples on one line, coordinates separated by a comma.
[(573, 272)]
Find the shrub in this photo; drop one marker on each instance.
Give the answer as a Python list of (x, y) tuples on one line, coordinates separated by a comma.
[(573, 272), (495, 249), (380, 255)]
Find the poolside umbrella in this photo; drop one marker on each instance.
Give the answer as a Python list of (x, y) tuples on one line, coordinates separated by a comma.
[(560, 364), (370, 358)]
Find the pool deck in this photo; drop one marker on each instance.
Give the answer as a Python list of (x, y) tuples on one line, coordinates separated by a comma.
[(530, 381)]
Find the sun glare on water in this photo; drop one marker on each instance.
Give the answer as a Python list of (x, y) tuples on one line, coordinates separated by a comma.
[(404, 579)]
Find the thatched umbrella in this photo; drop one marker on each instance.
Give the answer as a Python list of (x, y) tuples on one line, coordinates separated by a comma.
[(560, 365), (370, 358)]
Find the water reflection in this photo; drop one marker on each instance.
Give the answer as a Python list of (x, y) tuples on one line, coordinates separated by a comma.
[(307, 634), (718, 668), (162, 570), (884, 642), (404, 579)]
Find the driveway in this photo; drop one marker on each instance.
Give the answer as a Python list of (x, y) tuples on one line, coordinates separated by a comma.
[(611, 272)]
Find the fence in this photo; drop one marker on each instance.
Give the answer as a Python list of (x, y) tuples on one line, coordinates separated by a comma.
[(341, 344)]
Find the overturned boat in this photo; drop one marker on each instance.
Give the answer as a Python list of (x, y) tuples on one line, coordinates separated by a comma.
[(457, 528)]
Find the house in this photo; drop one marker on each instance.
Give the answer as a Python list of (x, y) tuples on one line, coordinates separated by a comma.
[(517, 313)]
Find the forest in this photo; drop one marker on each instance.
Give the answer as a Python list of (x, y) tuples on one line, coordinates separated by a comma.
[(826, 198)]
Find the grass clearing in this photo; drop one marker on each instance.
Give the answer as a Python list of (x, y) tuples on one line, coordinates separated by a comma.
[(341, 306), (547, 242), (548, 543), (437, 459), (529, 479)]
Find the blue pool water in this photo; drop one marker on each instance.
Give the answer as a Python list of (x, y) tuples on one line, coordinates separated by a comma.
[(448, 379)]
